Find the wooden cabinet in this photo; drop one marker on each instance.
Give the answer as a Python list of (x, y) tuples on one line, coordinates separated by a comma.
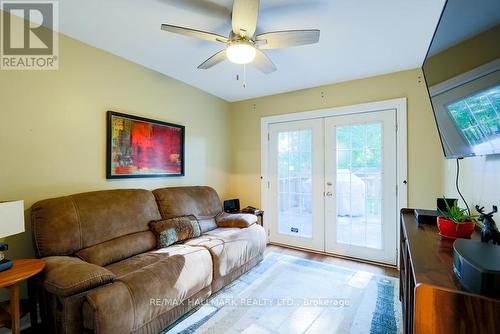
[(432, 299)]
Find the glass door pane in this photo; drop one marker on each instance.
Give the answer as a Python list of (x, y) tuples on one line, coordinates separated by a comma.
[(295, 182), (358, 185)]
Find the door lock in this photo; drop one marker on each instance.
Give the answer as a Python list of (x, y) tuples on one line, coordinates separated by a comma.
[(329, 194)]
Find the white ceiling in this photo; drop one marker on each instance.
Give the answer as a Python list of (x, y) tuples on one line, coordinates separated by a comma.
[(359, 38)]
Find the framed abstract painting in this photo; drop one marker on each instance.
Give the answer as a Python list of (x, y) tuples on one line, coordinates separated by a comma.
[(142, 147)]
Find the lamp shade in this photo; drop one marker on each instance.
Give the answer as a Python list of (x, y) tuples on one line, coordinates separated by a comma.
[(11, 218)]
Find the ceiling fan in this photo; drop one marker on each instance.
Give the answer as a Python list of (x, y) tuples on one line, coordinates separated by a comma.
[(242, 45)]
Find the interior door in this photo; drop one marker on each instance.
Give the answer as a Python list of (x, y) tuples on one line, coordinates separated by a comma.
[(296, 171), (360, 186)]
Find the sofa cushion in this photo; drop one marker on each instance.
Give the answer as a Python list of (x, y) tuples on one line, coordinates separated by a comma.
[(240, 220), (203, 202), (170, 231), (149, 285), (231, 248), (207, 224), (118, 249), (65, 225), (66, 276)]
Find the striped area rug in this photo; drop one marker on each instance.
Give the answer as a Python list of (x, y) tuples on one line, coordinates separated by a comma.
[(286, 294)]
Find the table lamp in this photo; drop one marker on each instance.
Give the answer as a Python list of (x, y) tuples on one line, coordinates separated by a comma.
[(11, 222)]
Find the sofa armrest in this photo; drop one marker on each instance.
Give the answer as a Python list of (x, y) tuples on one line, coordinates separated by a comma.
[(66, 275), (240, 220)]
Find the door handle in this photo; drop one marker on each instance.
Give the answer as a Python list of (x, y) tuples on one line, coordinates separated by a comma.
[(329, 194)]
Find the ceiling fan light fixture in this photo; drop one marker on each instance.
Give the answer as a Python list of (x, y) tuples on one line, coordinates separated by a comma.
[(241, 52)]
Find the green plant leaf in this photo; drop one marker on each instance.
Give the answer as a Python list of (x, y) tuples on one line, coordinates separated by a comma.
[(457, 214)]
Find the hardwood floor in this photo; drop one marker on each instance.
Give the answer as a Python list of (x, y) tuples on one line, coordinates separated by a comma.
[(351, 264)]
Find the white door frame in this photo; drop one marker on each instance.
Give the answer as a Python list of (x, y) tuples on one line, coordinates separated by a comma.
[(398, 104)]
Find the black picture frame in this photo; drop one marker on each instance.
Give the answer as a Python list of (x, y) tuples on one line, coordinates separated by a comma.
[(109, 148)]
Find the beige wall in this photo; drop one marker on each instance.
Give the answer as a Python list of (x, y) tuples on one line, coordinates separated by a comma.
[(479, 181), (424, 150), (52, 127)]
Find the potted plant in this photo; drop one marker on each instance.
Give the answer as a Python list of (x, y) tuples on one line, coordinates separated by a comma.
[(455, 222)]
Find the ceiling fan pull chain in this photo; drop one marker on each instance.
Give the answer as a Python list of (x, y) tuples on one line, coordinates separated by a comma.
[(244, 76)]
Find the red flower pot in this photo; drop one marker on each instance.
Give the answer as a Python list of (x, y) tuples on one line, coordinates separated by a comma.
[(451, 230)]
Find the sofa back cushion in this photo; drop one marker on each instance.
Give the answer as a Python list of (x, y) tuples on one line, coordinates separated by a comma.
[(118, 249), (202, 202), (65, 225)]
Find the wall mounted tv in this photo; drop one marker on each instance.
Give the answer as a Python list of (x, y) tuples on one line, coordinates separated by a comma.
[(462, 73)]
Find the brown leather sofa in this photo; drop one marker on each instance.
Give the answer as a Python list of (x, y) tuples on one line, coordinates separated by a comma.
[(104, 273)]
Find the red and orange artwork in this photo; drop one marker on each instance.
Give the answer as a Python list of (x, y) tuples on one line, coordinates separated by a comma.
[(139, 147)]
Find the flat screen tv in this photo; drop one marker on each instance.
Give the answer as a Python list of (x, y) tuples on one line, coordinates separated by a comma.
[(462, 73)]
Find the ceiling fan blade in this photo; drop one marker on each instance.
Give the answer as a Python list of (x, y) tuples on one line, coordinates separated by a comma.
[(263, 63), (286, 39), (214, 60), (244, 17), (194, 33)]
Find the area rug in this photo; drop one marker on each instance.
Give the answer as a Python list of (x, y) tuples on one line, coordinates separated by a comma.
[(286, 294)]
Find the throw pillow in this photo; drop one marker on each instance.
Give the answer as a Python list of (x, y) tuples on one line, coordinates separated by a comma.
[(240, 220), (170, 231)]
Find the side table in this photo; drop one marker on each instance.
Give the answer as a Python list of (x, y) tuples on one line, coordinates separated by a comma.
[(260, 214), (11, 279)]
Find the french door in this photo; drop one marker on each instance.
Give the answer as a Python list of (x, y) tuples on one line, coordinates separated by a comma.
[(297, 170), (360, 173), (333, 185)]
